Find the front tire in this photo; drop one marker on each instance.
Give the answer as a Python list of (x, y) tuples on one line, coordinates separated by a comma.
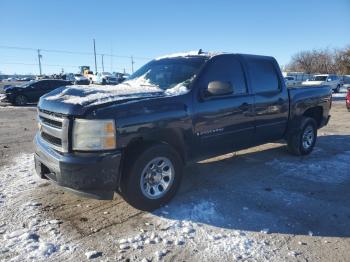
[(152, 178), (302, 142), (21, 100)]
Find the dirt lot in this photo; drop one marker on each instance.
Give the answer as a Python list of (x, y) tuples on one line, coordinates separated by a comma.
[(259, 204)]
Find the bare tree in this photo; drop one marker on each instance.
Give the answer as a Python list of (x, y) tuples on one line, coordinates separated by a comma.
[(311, 62), (321, 61), (342, 61)]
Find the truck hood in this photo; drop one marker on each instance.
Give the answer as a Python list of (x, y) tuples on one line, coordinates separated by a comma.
[(76, 99)]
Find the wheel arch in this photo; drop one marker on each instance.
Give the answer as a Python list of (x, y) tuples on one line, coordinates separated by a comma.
[(316, 113)]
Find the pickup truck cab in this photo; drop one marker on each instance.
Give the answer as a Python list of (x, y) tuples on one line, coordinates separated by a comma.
[(134, 138), (329, 80)]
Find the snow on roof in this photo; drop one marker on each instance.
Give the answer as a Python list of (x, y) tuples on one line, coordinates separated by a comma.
[(190, 53), (182, 54)]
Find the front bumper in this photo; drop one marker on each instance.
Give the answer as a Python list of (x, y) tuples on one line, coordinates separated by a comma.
[(93, 175), (8, 98), (111, 82), (82, 82), (325, 121)]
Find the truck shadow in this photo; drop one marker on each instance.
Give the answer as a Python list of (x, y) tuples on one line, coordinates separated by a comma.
[(266, 189)]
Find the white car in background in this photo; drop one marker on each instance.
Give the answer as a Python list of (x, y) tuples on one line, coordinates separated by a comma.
[(326, 80), (290, 81), (77, 79), (105, 78)]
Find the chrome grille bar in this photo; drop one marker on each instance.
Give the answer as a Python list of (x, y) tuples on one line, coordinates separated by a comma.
[(57, 133)]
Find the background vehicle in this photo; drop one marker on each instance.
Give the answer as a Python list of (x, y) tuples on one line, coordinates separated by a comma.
[(77, 79), (88, 73), (105, 78), (134, 138), (290, 81), (30, 92), (120, 76), (330, 80)]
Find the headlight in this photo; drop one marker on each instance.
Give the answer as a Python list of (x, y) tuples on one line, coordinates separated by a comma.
[(90, 135)]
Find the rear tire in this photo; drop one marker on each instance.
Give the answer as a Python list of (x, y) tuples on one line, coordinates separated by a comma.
[(303, 141), (148, 187), (21, 100)]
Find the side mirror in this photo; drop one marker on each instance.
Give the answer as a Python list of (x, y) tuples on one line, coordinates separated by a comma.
[(329, 80), (218, 88)]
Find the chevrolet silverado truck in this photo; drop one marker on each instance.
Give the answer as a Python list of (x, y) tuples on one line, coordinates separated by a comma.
[(135, 138)]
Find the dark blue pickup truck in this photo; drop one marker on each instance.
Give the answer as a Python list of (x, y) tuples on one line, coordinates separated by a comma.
[(134, 138)]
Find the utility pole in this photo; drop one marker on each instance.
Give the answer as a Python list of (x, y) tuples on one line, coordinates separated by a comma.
[(111, 56), (103, 65), (132, 64), (95, 57), (39, 58)]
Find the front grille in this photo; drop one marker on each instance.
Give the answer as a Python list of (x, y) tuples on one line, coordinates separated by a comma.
[(51, 122), (51, 139), (54, 129)]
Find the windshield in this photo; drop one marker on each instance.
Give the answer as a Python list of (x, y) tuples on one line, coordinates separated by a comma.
[(319, 78), (167, 73), (27, 83)]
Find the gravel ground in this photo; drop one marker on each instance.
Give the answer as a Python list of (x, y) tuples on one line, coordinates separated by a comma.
[(259, 204)]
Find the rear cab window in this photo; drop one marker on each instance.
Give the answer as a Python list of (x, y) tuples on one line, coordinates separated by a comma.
[(263, 75)]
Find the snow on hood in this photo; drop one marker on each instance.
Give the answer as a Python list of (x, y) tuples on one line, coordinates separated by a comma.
[(97, 94)]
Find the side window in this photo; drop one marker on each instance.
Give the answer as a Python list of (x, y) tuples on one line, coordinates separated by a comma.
[(263, 75), (225, 68), (56, 84), (35, 85), (43, 85)]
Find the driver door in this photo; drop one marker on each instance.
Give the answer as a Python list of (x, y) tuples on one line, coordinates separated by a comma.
[(223, 123)]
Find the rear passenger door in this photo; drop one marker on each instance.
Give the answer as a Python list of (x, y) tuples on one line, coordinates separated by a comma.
[(222, 123), (271, 98)]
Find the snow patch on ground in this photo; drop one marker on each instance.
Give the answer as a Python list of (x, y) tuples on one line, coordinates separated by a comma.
[(176, 227), (335, 169), (27, 235)]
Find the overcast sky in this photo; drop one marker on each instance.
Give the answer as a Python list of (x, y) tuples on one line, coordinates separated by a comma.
[(147, 29)]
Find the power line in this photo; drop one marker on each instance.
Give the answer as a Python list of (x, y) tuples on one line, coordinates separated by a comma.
[(52, 65), (69, 52)]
